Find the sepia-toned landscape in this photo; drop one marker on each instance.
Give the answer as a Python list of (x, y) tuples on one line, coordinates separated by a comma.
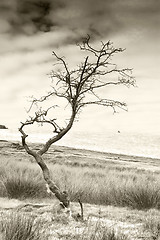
[(79, 120)]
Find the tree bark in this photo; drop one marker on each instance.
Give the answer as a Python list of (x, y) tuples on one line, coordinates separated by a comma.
[(62, 196)]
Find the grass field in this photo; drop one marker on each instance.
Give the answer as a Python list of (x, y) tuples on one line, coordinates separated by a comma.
[(115, 189)]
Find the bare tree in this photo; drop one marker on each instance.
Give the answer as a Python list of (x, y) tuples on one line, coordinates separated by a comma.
[(79, 87)]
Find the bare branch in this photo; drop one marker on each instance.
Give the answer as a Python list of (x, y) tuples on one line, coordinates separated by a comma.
[(24, 136), (34, 100), (67, 71), (106, 103)]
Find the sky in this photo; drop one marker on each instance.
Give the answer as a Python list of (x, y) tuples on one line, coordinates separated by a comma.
[(31, 29)]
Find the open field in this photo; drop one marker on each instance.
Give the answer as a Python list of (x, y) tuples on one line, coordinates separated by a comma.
[(119, 192)]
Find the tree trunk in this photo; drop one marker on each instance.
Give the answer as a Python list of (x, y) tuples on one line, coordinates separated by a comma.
[(51, 186), (62, 196)]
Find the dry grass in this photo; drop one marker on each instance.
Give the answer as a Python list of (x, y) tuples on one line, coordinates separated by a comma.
[(20, 181), (100, 231), (109, 185), (95, 181), (17, 226), (152, 225), (131, 188)]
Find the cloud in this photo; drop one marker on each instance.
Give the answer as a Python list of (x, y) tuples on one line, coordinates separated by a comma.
[(106, 17), (28, 16)]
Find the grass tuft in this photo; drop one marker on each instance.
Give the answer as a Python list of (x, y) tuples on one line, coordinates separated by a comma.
[(16, 226), (143, 196), (20, 181)]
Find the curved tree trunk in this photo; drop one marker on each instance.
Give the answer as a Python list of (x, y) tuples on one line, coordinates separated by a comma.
[(62, 196)]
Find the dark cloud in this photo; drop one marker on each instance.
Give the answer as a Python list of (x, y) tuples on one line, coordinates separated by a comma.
[(88, 17), (28, 16), (34, 13), (99, 18)]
